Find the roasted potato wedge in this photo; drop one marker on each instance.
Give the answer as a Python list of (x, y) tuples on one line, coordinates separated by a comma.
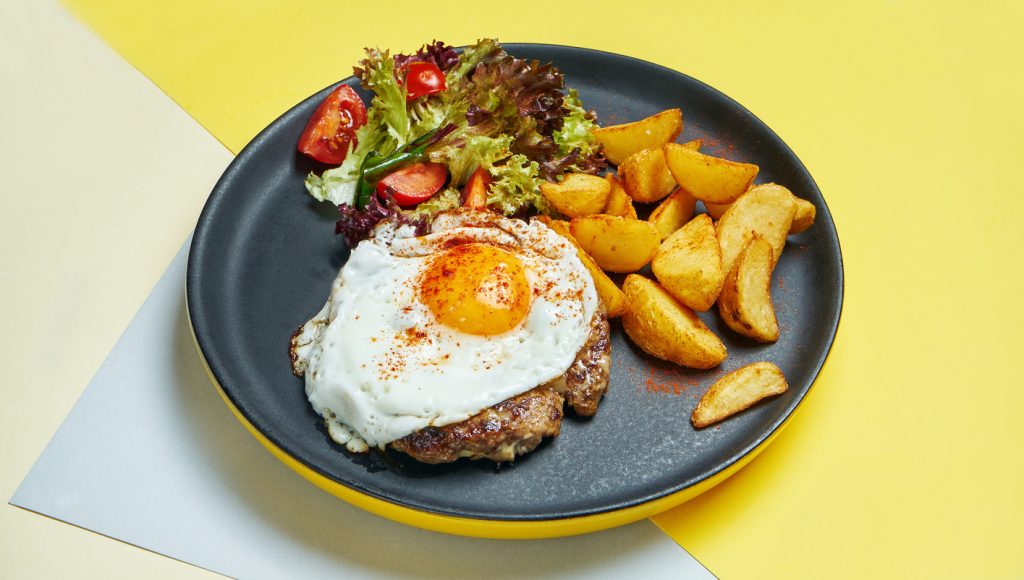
[(737, 391), (673, 213), (613, 299), (645, 176), (619, 202), (746, 300), (766, 210), (617, 244), (802, 219), (664, 328), (708, 178), (552, 223), (621, 141), (611, 296), (804, 216), (578, 194), (716, 210), (689, 264)]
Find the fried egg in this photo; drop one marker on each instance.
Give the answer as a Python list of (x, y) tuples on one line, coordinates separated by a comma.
[(429, 330)]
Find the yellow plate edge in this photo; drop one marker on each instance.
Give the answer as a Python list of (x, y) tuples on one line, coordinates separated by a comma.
[(482, 528)]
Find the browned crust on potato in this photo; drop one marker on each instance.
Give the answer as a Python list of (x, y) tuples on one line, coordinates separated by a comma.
[(737, 391), (665, 328), (746, 302)]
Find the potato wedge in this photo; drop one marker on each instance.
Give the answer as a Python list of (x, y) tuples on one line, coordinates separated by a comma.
[(766, 210), (695, 144), (645, 176), (804, 216), (708, 178), (802, 219), (621, 141), (613, 299), (619, 203), (549, 222), (746, 300), (716, 210), (617, 244), (578, 194), (737, 391), (664, 328), (689, 264), (673, 213), (611, 296)]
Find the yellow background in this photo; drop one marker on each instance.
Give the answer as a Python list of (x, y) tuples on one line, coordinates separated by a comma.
[(906, 458)]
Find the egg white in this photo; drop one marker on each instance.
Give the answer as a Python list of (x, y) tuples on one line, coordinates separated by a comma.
[(379, 366)]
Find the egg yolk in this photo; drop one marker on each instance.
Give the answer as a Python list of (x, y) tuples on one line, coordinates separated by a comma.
[(477, 289)]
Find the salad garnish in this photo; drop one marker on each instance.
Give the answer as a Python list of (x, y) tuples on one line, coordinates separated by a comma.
[(446, 128)]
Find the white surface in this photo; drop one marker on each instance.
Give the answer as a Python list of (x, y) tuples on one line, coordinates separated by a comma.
[(150, 455)]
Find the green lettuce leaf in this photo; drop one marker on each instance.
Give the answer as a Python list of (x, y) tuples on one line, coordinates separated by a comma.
[(516, 187), (474, 151), (377, 74), (485, 50), (577, 130), (427, 114), (526, 99), (448, 198)]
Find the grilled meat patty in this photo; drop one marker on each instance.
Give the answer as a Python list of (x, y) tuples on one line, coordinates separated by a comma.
[(586, 381), (512, 427), (517, 425)]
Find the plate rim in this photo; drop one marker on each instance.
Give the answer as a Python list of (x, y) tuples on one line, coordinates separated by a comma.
[(429, 518)]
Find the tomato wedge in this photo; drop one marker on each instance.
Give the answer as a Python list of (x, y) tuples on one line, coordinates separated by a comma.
[(474, 194), (422, 79), (332, 128), (412, 184)]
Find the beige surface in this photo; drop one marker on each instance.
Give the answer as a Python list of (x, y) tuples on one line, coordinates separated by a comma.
[(103, 178)]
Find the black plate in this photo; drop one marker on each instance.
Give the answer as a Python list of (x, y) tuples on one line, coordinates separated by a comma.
[(264, 255)]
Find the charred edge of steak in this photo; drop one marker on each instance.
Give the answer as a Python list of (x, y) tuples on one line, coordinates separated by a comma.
[(513, 427), (586, 381)]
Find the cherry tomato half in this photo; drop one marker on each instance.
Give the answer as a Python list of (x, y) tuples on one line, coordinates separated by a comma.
[(423, 78), (412, 184), (332, 128)]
